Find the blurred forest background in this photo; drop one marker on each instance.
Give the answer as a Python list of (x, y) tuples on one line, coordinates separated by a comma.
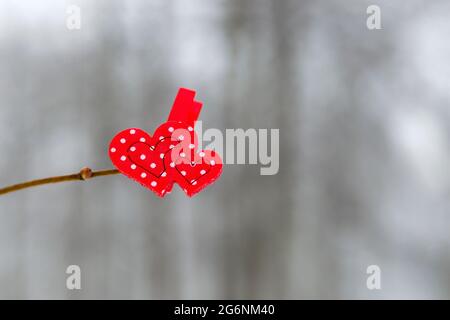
[(364, 123)]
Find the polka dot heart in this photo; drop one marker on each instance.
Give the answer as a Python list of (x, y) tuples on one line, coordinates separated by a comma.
[(195, 171), (169, 156), (140, 156)]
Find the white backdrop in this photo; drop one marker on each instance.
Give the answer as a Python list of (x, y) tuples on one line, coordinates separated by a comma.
[(364, 148)]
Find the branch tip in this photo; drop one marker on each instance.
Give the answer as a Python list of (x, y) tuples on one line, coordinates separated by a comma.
[(84, 174)]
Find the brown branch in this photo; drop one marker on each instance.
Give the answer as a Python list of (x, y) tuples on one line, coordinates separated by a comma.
[(84, 174)]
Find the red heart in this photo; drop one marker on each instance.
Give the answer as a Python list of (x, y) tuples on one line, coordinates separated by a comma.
[(194, 171), (169, 156), (141, 157)]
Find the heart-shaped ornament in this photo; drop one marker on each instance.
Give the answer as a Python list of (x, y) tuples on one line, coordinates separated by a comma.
[(194, 171), (140, 156), (169, 156)]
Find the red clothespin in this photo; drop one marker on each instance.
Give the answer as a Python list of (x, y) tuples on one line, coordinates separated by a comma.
[(171, 154), (185, 108)]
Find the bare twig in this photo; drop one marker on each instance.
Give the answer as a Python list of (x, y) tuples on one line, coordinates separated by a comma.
[(84, 174)]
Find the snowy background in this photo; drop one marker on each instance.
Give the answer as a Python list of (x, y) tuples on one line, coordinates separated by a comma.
[(364, 119)]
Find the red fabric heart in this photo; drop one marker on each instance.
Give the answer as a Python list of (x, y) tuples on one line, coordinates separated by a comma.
[(169, 156)]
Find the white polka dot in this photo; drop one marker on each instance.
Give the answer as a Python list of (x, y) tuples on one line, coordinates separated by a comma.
[(142, 156), (190, 128), (153, 165), (212, 162), (161, 155), (191, 146), (161, 138), (113, 150), (202, 172), (172, 164), (133, 149), (181, 137), (133, 166), (143, 175), (142, 139), (182, 154), (183, 173), (170, 129), (171, 146), (194, 182), (164, 174), (132, 131), (123, 158), (201, 154), (123, 140), (152, 148), (153, 184)]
